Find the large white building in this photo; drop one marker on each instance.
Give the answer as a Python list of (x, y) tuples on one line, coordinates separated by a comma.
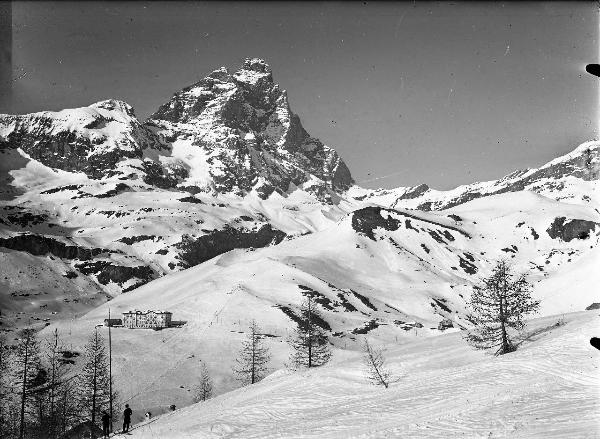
[(148, 319)]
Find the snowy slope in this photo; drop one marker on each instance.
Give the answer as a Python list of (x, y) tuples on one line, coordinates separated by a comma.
[(392, 274), (547, 389)]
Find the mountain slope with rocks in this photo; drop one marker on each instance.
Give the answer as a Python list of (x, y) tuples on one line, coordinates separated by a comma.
[(105, 203), (390, 274), (571, 178), (221, 208)]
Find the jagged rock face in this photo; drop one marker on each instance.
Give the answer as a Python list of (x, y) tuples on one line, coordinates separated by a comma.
[(243, 126), (91, 139)]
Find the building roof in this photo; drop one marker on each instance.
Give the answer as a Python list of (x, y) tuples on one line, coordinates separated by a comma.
[(149, 311)]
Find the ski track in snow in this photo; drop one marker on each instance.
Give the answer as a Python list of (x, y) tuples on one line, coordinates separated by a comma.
[(547, 389)]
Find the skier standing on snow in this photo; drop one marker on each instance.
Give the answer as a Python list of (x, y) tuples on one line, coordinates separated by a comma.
[(126, 418)]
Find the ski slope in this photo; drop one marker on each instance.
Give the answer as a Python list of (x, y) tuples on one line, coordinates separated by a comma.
[(549, 388)]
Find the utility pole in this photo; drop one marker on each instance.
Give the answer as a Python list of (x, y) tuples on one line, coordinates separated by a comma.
[(110, 392)]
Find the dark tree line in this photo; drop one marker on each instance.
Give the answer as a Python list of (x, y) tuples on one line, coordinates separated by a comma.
[(42, 393)]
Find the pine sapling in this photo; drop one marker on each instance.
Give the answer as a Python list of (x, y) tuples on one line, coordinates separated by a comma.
[(204, 390)]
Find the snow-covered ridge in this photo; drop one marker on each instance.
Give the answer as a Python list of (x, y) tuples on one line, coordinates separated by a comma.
[(572, 177), (93, 139)]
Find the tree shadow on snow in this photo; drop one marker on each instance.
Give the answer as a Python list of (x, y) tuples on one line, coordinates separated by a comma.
[(536, 334)]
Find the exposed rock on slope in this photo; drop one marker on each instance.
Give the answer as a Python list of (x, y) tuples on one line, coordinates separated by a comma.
[(216, 242), (571, 229), (92, 140)]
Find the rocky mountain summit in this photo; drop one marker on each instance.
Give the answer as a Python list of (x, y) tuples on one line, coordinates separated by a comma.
[(241, 129)]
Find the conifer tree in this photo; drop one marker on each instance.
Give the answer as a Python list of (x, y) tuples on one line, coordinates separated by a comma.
[(251, 364), (377, 371), (26, 369), (93, 381), (204, 390), (57, 379), (499, 303), (67, 406), (5, 396), (309, 343)]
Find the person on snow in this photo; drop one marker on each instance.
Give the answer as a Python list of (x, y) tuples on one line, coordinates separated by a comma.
[(126, 418), (105, 424)]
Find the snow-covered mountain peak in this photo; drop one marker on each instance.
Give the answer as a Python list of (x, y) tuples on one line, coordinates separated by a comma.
[(115, 105), (237, 134), (253, 72), (258, 65)]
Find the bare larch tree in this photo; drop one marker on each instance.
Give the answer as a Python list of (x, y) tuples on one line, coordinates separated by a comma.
[(309, 343), (57, 381), (251, 364), (5, 397), (26, 368), (499, 303), (93, 381)]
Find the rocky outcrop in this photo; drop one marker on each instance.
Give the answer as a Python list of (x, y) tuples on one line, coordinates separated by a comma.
[(40, 245), (106, 272), (571, 229), (194, 251), (366, 220)]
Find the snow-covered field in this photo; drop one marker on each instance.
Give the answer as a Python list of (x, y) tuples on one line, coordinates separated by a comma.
[(549, 388), (395, 287)]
